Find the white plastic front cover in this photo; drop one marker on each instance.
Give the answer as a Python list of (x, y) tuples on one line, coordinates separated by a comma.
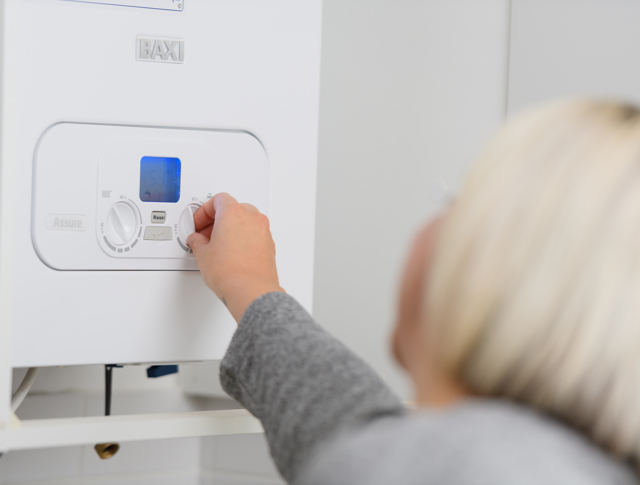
[(91, 211)]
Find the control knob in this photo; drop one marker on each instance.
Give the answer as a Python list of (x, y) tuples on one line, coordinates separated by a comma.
[(121, 224), (186, 224)]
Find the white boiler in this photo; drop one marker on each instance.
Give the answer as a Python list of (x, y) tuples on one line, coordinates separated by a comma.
[(119, 119)]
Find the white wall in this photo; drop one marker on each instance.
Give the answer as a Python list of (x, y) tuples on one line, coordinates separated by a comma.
[(563, 48), (410, 89)]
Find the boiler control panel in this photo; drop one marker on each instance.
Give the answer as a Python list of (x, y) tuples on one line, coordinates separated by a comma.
[(145, 209), (120, 197)]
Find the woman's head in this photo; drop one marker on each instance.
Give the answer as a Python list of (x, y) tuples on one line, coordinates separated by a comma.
[(533, 286)]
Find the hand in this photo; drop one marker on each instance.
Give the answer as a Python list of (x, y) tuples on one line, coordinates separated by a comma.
[(235, 252)]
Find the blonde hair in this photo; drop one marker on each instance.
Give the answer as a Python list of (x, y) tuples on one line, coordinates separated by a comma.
[(534, 292)]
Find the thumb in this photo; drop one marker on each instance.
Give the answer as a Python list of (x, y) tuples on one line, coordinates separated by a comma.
[(197, 242)]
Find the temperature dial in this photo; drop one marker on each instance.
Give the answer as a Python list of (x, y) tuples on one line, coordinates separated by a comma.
[(186, 225), (121, 224)]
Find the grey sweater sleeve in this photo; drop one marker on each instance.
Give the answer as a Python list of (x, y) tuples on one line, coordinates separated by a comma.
[(301, 383)]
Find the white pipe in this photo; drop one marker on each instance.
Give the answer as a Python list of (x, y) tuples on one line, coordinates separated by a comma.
[(22, 391)]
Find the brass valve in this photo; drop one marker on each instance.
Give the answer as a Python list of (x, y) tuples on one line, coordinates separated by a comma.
[(106, 450)]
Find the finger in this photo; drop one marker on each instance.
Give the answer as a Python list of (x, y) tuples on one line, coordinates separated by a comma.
[(206, 232), (222, 200), (206, 214), (201, 217), (250, 207), (197, 242)]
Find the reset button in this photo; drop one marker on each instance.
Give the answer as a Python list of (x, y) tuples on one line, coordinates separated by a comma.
[(158, 217)]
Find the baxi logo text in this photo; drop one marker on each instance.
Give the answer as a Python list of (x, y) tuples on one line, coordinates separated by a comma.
[(160, 50)]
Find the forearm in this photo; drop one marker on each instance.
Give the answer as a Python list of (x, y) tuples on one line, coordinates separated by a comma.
[(239, 295), (298, 380)]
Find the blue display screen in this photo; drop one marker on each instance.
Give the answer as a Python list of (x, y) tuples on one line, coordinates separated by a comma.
[(159, 179)]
